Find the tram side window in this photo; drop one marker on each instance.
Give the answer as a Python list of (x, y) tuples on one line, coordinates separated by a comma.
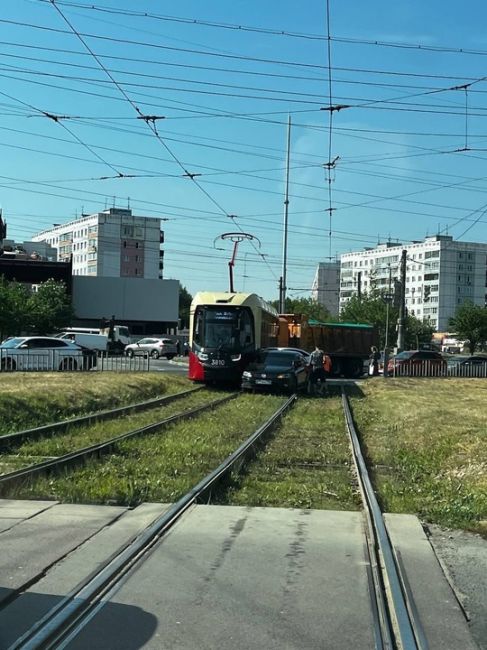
[(198, 327), (246, 329)]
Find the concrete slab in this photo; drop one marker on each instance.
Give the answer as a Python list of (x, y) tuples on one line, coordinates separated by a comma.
[(34, 544), (244, 578), (441, 617), (17, 617), (13, 512)]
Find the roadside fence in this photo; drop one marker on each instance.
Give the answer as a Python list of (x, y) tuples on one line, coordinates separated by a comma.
[(435, 368), (50, 360)]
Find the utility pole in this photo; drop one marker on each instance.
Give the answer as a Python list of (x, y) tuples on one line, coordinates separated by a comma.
[(388, 297), (283, 280), (401, 320), (359, 285), (3, 232)]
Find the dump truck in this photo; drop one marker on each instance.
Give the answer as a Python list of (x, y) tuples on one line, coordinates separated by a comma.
[(347, 344)]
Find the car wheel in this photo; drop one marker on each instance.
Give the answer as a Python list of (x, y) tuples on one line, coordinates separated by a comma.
[(68, 364), (170, 356), (129, 353), (154, 354)]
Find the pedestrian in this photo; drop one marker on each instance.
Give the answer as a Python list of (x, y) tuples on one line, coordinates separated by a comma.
[(374, 361), (178, 347), (316, 368)]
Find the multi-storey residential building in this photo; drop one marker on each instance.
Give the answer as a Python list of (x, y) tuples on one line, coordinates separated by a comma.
[(326, 286), (112, 243), (440, 274)]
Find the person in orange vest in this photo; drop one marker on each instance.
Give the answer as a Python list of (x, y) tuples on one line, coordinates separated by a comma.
[(327, 365)]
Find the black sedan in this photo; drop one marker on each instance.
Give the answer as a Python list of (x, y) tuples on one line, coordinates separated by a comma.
[(280, 370)]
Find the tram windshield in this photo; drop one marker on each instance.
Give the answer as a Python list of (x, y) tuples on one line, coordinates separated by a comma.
[(224, 328)]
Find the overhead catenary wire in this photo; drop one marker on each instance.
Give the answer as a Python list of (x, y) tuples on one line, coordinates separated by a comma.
[(151, 122)]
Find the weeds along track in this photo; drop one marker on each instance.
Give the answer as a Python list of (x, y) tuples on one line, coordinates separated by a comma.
[(74, 442), (11, 440)]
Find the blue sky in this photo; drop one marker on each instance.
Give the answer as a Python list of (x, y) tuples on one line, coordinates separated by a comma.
[(410, 150)]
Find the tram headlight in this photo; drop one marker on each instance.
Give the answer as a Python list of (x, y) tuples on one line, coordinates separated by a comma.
[(202, 356), (247, 374), (236, 357)]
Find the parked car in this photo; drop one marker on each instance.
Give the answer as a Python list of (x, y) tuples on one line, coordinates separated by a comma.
[(282, 370), (42, 353), (155, 347), (473, 366), (300, 351), (417, 363)]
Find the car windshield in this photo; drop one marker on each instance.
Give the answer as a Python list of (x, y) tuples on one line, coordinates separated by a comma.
[(277, 358), (12, 343)]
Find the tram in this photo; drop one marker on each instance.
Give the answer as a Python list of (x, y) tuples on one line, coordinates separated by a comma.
[(225, 331)]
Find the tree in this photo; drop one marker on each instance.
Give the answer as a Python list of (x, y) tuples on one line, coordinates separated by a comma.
[(417, 332), (308, 307), (470, 323), (372, 309), (50, 308), (14, 310), (185, 299)]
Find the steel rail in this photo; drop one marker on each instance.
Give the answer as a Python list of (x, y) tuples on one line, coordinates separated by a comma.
[(402, 625), (10, 439), (21, 475), (69, 616)]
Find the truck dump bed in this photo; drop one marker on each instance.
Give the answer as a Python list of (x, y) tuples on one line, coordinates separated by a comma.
[(343, 339)]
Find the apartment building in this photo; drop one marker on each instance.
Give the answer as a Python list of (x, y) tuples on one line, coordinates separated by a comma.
[(112, 243), (326, 286), (441, 273)]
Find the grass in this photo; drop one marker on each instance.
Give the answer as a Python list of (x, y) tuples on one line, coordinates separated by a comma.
[(306, 465), (32, 399), (426, 441), (76, 437), (159, 467)]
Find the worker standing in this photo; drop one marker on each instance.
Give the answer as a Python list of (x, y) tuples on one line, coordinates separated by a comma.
[(316, 369)]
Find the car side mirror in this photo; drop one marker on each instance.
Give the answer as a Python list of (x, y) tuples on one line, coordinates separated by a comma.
[(24, 346)]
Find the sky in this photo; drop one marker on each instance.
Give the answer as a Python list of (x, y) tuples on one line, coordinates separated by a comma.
[(180, 111)]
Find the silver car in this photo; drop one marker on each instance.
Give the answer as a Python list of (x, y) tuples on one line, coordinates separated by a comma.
[(40, 353), (155, 347)]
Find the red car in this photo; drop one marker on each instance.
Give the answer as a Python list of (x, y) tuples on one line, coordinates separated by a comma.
[(417, 363)]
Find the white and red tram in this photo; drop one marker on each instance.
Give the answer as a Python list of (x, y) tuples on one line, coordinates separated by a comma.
[(225, 331)]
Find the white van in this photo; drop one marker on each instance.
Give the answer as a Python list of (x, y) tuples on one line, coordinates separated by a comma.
[(97, 342)]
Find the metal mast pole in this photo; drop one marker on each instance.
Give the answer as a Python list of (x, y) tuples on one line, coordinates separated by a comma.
[(283, 287), (401, 321)]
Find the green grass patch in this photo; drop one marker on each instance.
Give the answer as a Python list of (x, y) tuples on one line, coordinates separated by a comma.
[(426, 443), (77, 437), (32, 399), (163, 466), (306, 465)]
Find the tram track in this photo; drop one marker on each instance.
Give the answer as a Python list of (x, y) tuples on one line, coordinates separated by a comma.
[(11, 440), (397, 623), (10, 480), (66, 619)]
